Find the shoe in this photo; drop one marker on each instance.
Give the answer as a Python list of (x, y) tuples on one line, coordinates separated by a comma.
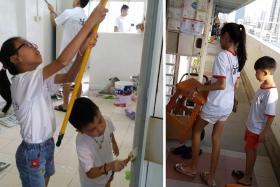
[(182, 150), (189, 154)]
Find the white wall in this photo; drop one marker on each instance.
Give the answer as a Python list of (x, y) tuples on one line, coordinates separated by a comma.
[(255, 50), (115, 55), (17, 18), (8, 20)]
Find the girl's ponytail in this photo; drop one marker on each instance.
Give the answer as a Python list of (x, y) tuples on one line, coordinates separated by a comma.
[(7, 50), (237, 34), (241, 48)]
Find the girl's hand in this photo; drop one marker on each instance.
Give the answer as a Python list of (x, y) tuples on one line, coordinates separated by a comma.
[(192, 93), (99, 13), (89, 43)]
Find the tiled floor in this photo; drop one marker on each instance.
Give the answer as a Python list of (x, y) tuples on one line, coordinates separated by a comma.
[(65, 156), (232, 141), (264, 174)]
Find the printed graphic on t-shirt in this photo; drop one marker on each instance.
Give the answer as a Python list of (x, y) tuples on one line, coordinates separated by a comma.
[(82, 21), (235, 69)]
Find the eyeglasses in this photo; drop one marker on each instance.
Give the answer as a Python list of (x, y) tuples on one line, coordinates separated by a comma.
[(26, 44)]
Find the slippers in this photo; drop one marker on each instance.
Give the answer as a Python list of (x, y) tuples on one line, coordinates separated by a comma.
[(244, 183), (204, 177), (60, 108), (3, 166), (180, 167), (237, 174)]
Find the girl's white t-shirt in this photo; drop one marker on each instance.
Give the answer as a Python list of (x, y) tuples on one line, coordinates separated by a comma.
[(220, 102), (33, 107), (263, 105), (90, 155)]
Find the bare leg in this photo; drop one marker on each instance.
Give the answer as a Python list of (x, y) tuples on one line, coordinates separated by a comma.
[(251, 155), (216, 147), (196, 133), (47, 179)]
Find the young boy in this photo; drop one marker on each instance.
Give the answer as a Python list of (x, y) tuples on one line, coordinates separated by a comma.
[(261, 115), (95, 142)]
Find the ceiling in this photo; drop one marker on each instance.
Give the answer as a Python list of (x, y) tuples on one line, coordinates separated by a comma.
[(227, 6)]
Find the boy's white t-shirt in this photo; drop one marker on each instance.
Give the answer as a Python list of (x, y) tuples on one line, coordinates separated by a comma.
[(33, 107), (263, 105), (220, 102), (71, 21), (90, 155), (123, 24)]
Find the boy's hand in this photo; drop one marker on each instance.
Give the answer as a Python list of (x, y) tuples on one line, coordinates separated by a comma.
[(262, 137), (115, 149), (99, 13), (118, 165)]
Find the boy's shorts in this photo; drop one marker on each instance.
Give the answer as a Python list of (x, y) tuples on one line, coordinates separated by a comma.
[(211, 118), (35, 162), (251, 140)]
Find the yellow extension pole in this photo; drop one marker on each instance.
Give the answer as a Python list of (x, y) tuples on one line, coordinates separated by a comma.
[(78, 82)]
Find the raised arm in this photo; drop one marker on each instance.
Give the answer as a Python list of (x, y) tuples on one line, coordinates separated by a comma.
[(53, 14)]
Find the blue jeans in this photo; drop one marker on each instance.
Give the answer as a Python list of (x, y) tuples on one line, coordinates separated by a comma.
[(35, 162)]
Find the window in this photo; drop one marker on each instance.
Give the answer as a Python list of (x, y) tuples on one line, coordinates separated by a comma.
[(136, 13)]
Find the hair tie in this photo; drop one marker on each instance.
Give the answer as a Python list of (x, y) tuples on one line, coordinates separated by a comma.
[(240, 27)]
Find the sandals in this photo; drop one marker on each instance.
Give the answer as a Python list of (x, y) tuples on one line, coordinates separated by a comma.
[(60, 108), (3, 166), (181, 168), (244, 183), (204, 177)]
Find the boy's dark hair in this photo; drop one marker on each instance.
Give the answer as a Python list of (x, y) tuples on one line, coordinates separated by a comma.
[(83, 3), (238, 35), (124, 7), (84, 111), (265, 62)]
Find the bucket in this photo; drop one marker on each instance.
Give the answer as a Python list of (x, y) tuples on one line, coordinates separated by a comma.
[(123, 90)]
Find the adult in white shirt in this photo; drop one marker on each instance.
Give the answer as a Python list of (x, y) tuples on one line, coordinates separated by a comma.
[(71, 21), (122, 22)]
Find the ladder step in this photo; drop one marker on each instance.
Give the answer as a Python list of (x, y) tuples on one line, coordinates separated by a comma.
[(170, 64)]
